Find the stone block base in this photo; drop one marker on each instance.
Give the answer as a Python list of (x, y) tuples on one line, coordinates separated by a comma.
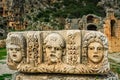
[(21, 76)]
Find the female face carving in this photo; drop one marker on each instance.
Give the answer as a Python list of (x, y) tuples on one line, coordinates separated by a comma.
[(15, 53), (95, 52)]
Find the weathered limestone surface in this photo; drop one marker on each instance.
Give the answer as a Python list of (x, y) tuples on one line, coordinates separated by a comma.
[(67, 51), (20, 76)]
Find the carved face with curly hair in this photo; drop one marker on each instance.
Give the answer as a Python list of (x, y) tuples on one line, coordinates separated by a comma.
[(15, 47), (95, 45)]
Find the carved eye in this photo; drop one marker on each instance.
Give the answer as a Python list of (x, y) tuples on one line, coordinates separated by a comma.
[(49, 47), (11, 49), (99, 48), (57, 48), (17, 49), (91, 48)]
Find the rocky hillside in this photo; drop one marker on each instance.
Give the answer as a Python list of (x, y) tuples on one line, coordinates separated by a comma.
[(115, 4), (51, 12)]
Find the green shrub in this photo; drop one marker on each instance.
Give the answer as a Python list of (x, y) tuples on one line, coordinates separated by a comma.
[(5, 77), (3, 53)]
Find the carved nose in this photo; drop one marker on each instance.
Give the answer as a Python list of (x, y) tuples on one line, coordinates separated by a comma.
[(53, 49), (95, 51)]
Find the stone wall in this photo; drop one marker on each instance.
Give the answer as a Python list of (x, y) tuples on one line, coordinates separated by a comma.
[(112, 31)]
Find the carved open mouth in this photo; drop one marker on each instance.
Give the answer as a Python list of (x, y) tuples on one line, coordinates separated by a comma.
[(52, 55), (14, 55), (96, 56)]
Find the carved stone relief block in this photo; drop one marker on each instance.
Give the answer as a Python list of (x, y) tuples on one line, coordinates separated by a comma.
[(66, 51)]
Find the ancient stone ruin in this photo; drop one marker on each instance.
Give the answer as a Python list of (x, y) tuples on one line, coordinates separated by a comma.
[(58, 52)]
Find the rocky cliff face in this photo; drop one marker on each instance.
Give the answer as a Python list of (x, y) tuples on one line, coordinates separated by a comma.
[(115, 4), (47, 10), (30, 7)]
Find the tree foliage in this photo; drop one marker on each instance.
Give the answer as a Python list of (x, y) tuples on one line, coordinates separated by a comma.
[(47, 11)]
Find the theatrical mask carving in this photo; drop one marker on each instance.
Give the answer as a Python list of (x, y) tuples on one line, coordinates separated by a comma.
[(16, 49), (15, 53), (95, 47), (54, 47), (95, 52)]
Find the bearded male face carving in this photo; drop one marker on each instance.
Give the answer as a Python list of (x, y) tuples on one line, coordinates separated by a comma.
[(54, 45), (54, 52), (95, 52)]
